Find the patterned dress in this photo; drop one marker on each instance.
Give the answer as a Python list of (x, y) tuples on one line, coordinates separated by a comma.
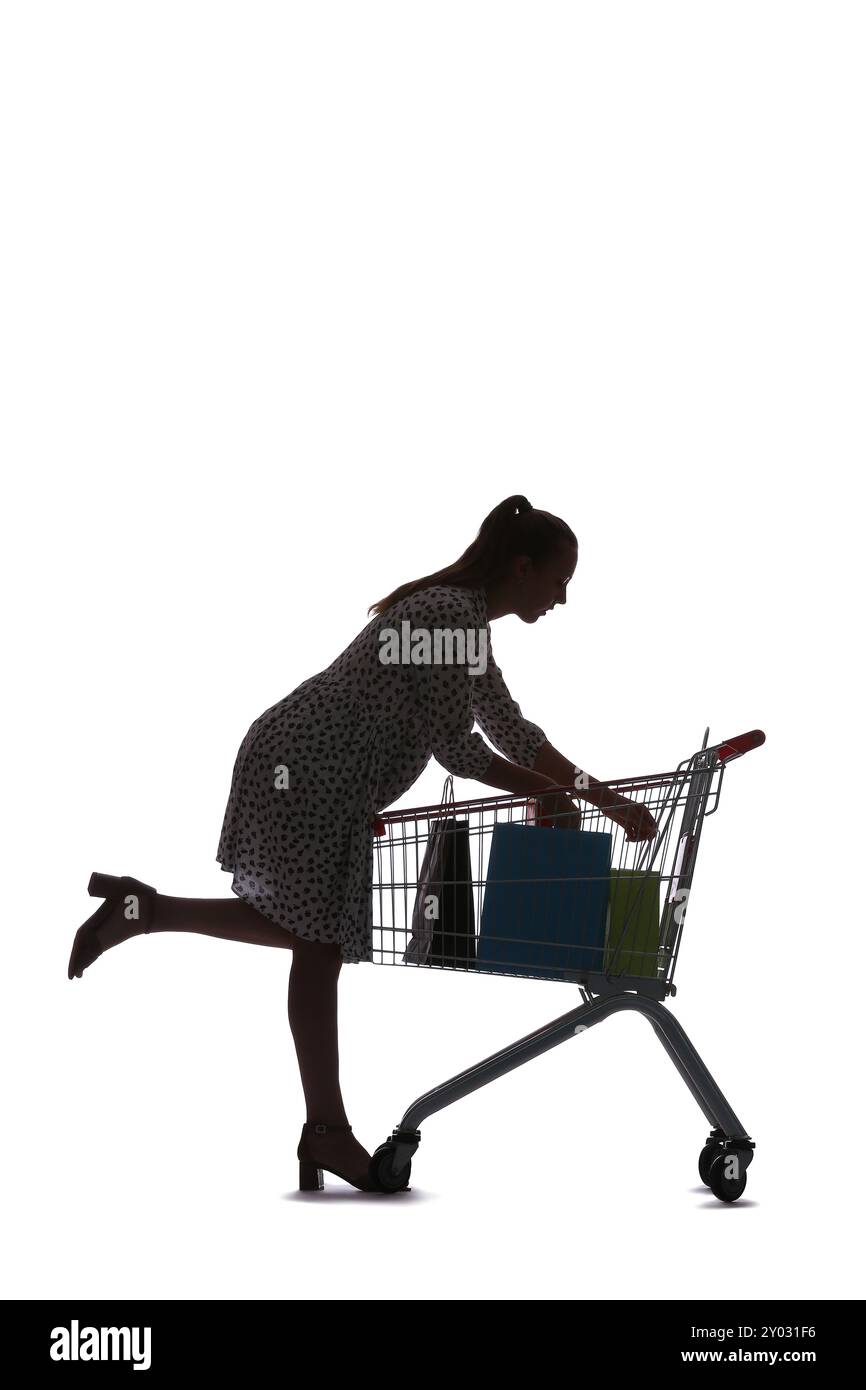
[(314, 770)]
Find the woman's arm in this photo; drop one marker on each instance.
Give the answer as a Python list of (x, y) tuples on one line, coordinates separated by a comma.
[(564, 773), (511, 777), (634, 818), (552, 769), (555, 807), (501, 719)]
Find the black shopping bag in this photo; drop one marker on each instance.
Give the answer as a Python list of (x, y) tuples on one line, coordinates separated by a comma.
[(443, 917), (454, 933)]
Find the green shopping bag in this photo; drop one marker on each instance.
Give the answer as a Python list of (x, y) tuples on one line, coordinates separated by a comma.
[(632, 938)]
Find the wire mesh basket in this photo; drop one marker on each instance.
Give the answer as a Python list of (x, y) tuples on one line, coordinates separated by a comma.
[(490, 885)]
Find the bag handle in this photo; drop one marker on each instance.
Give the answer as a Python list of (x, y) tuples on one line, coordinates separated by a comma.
[(447, 799)]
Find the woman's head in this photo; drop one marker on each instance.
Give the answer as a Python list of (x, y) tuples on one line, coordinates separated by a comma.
[(521, 557)]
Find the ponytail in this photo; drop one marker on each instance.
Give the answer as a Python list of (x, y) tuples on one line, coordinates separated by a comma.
[(512, 528)]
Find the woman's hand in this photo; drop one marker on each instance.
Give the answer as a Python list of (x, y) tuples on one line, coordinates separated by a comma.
[(635, 819), (559, 809)]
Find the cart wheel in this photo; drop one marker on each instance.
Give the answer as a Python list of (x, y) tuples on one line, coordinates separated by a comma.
[(726, 1188), (708, 1153), (382, 1170)]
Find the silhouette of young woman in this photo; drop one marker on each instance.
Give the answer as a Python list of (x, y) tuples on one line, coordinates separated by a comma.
[(314, 770)]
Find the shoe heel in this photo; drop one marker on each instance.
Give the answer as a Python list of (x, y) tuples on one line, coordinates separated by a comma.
[(310, 1177), (102, 885)]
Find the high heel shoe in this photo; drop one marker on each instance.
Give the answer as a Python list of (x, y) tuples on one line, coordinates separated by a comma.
[(87, 947), (311, 1167)]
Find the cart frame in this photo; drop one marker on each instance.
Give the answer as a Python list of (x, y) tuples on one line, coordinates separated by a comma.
[(728, 1149)]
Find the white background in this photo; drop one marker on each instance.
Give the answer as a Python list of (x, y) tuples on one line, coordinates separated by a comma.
[(294, 295)]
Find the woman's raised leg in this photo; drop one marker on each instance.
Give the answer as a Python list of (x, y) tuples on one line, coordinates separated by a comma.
[(232, 919)]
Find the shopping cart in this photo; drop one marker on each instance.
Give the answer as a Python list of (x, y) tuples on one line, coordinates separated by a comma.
[(612, 925)]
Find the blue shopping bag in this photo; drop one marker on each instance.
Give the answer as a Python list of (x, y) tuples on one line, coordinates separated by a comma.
[(545, 901)]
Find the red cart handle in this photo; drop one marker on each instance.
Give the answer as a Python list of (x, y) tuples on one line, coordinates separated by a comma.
[(743, 743)]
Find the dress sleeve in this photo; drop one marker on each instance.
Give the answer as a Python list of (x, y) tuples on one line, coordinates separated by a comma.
[(500, 717), (445, 690), (452, 741)]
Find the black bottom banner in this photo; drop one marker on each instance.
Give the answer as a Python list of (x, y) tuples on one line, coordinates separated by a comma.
[(170, 1338)]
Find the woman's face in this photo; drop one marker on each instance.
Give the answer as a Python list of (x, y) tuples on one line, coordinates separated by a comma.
[(539, 588)]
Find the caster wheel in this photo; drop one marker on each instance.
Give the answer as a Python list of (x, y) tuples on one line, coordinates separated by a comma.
[(727, 1175), (708, 1153), (382, 1170)]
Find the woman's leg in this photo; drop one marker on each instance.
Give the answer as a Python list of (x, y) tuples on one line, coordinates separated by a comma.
[(312, 987), (313, 1021), (232, 919), (312, 1002)]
